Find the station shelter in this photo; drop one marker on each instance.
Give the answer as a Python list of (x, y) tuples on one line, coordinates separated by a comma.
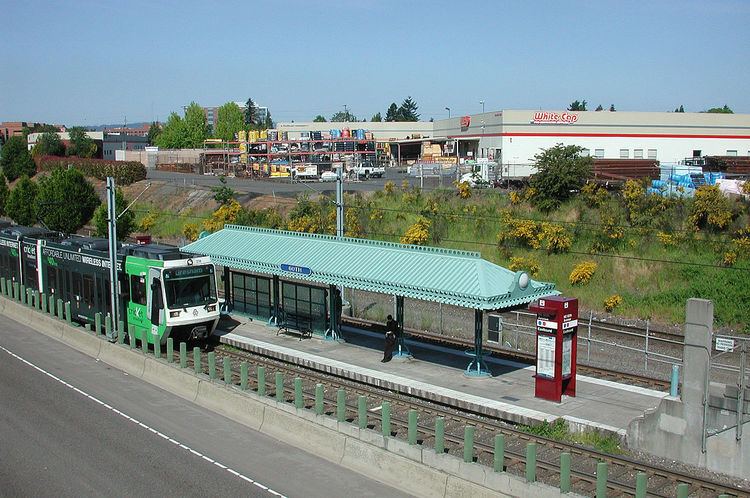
[(294, 278)]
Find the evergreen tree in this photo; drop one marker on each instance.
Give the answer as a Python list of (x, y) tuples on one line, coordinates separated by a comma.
[(392, 113), (612, 108), (153, 131), (4, 192), (721, 110), (577, 106), (15, 159), (680, 109), (377, 118), (320, 119), (125, 223), (408, 110), (599, 108), (251, 113), (21, 204), (268, 122)]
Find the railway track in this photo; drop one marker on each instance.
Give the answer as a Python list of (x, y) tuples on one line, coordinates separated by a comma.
[(521, 356), (622, 470)]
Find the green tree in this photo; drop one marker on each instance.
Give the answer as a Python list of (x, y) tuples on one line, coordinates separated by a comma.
[(680, 109), (125, 223), (320, 119), (66, 200), (49, 144), (229, 121), (720, 110), (377, 118), (196, 129), (561, 170), (251, 114), (268, 123), (392, 113), (153, 131), (577, 106), (15, 159), (3, 195), (81, 144), (343, 117), (223, 194), (21, 204), (599, 108), (612, 108), (408, 110), (172, 135)]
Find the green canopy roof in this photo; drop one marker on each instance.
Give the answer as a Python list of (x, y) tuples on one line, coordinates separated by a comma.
[(432, 274)]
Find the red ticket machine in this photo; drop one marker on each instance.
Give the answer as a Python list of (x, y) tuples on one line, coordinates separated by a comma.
[(556, 344)]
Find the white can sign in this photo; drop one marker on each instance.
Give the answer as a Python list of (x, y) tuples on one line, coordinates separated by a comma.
[(724, 344)]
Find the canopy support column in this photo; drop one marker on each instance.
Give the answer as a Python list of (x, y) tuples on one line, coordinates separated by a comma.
[(402, 350), (477, 367), (333, 332), (276, 305)]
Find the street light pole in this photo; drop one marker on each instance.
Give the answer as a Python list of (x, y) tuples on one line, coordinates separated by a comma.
[(482, 102), (112, 219), (449, 112)]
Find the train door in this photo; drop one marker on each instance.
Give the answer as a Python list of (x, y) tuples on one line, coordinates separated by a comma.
[(155, 304), (138, 320)]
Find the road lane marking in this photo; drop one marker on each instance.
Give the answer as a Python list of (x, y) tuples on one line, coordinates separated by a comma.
[(141, 424)]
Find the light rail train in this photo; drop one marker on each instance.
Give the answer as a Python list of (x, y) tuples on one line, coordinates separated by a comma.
[(162, 292)]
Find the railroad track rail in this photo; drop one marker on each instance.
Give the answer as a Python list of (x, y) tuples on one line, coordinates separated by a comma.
[(622, 470), (520, 356)]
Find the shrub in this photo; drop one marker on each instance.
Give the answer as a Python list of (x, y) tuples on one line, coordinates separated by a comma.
[(515, 198), (226, 214), (556, 239), (125, 223), (710, 209), (148, 221), (66, 200), (15, 159), (21, 205), (560, 170), (582, 273), (124, 172), (190, 231), (418, 233), (730, 258), (612, 302), (524, 231), (610, 234), (389, 187), (594, 195), (529, 264), (463, 189)]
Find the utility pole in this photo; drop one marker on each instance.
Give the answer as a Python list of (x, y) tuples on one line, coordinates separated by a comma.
[(112, 222), (339, 202)]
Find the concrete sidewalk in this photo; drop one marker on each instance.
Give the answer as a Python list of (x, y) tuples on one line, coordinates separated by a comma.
[(436, 373)]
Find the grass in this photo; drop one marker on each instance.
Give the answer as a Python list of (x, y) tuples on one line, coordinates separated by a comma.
[(559, 431)]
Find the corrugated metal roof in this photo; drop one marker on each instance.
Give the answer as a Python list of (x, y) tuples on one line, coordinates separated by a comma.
[(429, 273)]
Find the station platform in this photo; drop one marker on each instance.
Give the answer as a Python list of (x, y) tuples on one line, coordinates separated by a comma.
[(436, 373)]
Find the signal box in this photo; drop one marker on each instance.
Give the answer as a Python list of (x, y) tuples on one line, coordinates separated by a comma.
[(556, 347)]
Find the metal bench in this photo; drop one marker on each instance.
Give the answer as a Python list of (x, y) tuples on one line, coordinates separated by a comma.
[(295, 323)]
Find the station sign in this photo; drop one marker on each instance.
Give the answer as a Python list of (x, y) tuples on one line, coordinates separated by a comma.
[(296, 269)]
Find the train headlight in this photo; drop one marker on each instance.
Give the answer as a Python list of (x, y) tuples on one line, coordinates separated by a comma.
[(174, 314), (211, 307)]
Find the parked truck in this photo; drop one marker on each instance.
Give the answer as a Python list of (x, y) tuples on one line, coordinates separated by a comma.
[(366, 170)]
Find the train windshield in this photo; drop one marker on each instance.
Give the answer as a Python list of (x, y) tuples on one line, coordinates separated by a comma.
[(190, 286)]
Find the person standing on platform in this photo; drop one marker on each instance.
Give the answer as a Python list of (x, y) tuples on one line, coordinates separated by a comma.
[(390, 339)]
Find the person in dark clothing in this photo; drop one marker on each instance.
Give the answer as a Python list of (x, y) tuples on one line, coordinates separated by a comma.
[(390, 339)]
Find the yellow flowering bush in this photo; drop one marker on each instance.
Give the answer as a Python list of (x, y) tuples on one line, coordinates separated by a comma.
[(148, 222), (226, 214), (190, 231), (463, 189), (582, 273), (612, 302), (711, 209), (418, 233), (594, 195), (556, 239), (730, 258), (389, 187), (528, 264), (515, 198)]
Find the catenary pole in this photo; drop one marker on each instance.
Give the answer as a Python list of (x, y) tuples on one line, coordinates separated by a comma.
[(112, 222)]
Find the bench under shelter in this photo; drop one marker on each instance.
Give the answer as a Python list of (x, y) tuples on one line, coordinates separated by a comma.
[(285, 276)]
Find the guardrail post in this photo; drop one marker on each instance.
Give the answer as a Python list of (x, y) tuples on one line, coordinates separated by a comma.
[(682, 490), (16, 292), (412, 427), (51, 307), (29, 297), (279, 387), (197, 360), (531, 462), (601, 480), (68, 317), (39, 299), (261, 381), (298, 401), (469, 444), (227, 371), (144, 341), (22, 294), (43, 302), (157, 346), (120, 330), (243, 376), (212, 365), (60, 314), (499, 453), (341, 405), (675, 381), (183, 355), (385, 414), (439, 435), (98, 323), (319, 405), (362, 412), (3, 288), (641, 484), (131, 338), (170, 350), (565, 472)]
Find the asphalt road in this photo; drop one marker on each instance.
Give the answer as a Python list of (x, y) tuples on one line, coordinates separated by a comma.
[(73, 426)]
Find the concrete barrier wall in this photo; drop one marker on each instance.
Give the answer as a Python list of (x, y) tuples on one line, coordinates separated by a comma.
[(411, 468)]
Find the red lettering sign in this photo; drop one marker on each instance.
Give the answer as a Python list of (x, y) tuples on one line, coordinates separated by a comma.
[(465, 121), (544, 117)]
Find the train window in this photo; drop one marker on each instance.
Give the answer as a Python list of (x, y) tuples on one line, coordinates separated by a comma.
[(138, 289), (88, 290), (76, 284), (52, 280)]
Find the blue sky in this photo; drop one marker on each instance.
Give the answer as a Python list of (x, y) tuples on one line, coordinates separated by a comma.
[(95, 62)]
